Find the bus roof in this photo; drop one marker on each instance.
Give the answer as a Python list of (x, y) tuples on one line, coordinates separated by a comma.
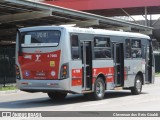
[(89, 31), (106, 32)]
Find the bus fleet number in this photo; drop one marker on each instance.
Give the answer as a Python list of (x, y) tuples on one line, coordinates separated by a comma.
[(52, 55)]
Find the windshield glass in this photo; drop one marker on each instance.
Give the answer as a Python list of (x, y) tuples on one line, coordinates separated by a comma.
[(40, 38)]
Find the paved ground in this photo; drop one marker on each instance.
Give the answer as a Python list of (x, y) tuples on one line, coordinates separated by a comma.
[(149, 100)]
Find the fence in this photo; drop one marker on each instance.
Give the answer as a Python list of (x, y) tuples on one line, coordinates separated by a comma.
[(7, 64), (157, 63)]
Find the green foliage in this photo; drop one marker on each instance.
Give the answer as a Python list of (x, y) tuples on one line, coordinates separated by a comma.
[(157, 74), (8, 88)]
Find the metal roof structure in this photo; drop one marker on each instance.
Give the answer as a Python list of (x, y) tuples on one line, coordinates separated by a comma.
[(110, 7), (25, 13)]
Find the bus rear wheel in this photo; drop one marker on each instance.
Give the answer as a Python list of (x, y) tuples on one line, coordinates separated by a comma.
[(99, 89), (137, 86), (57, 95)]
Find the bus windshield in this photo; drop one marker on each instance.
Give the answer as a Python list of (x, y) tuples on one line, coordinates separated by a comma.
[(40, 38)]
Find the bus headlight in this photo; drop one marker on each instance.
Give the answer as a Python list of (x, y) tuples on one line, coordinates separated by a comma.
[(64, 71)]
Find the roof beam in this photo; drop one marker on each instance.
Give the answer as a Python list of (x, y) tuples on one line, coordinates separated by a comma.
[(127, 29), (76, 13), (129, 15), (86, 23), (9, 31), (24, 16), (147, 32)]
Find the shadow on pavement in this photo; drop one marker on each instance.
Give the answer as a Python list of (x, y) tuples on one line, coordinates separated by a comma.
[(71, 99)]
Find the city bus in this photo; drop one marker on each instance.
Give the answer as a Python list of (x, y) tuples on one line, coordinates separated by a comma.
[(58, 60)]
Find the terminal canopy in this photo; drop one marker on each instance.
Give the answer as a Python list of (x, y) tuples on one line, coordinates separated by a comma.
[(25, 13)]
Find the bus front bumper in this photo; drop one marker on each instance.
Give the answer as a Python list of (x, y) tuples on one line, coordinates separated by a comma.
[(43, 85)]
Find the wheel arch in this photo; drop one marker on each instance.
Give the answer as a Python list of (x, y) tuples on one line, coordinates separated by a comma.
[(104, 79), (139, 73)]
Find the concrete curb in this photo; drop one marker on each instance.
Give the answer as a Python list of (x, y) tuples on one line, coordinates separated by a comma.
[(9, 92)]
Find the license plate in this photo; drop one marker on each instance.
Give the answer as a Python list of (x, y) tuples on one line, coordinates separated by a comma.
[(40, 74)]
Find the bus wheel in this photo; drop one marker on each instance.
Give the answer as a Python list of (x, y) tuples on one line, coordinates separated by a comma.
[(137, 86), (99, 89), (57, 95)]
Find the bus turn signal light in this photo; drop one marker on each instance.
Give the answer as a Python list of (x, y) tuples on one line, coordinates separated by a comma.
[(64, 71)]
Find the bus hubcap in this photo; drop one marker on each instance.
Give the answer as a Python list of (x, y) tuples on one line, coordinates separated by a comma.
[(99, 89), (138, 85)]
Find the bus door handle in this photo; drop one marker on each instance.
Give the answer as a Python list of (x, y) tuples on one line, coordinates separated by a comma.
[(85, 65)]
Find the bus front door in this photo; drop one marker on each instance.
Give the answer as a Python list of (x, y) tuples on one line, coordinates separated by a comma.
[(118, 58), (86, 53)]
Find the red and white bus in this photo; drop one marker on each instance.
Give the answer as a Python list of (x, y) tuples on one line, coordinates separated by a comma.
[(60, 59)]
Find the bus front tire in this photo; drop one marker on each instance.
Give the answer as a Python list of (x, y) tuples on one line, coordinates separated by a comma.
[(137, 86), (99, 89), (57, 95)]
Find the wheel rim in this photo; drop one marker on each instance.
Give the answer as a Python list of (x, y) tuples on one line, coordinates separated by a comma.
[(138, 85), (99, 89)]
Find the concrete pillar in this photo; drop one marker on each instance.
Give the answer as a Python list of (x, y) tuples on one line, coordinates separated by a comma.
[(145, 16)]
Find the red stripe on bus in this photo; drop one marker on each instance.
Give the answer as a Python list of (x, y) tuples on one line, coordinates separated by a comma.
[(76, 77), (107, 71), (76, 82)]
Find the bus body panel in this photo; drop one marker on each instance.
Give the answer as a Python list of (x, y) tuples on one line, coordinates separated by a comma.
[(38, 65), (76, 76), (43, 85), (133, 67), (105, 67)]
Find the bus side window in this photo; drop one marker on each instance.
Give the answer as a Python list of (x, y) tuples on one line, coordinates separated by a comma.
[(102, 48), (128, 48), (143, 51), (75, 47), (136, 48)]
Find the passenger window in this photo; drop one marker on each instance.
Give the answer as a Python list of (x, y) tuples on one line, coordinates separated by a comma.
[(102, 47), (143, 51), (128, 48), (75, 47), (136, 51)]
